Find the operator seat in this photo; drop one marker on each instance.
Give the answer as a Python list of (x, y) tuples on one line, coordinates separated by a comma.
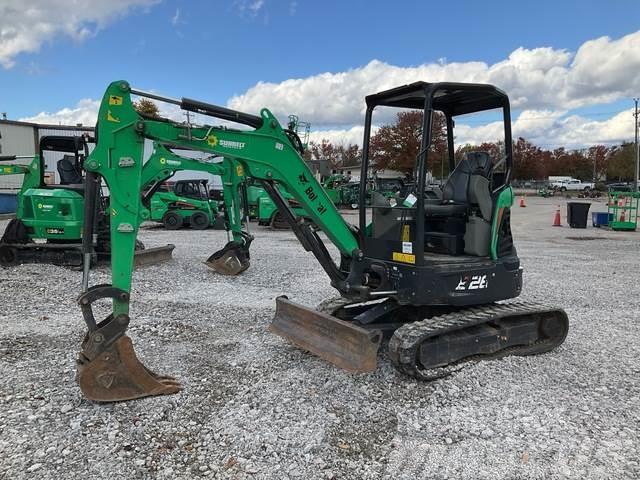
[(454, 200), (467, 190), (69, 174), (479, 192), (477, 236)]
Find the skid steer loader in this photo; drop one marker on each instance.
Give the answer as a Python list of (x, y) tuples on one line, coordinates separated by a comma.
[(426, 272)]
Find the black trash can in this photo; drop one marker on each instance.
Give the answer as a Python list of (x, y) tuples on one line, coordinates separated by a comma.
[(577, 214)]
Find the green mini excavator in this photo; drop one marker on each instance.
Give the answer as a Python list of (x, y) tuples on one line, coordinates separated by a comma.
[(49, 219), (428, 272)]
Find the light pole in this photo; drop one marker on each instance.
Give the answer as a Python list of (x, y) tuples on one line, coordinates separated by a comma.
[(637, 162)]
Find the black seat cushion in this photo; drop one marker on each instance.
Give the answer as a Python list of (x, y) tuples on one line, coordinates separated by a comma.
[(445, 209), (69, 174)]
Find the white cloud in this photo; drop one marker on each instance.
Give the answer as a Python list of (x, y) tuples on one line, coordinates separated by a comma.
[(345, 137), (26, 24), (176, 18), (250, 8), (545, 128), (85, 112), (550, 129), (601, 71), (255, 6), (546, 84)]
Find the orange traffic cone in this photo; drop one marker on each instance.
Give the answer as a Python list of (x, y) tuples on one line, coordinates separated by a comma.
[(556, 220), (522, 204)]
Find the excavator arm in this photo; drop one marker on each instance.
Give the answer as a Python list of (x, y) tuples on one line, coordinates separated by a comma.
[(164, 163), (233, 259), (266, 153), (108, 367), (31, 172)]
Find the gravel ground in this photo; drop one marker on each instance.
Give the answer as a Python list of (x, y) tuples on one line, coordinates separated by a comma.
[(255, 407)]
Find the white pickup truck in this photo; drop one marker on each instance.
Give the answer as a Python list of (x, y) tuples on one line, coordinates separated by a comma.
[(571, 184)]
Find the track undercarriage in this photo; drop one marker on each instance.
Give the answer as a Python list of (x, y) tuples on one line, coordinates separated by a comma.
[(423, 342)]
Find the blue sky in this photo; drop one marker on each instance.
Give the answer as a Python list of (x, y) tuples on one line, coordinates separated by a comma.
[(215, 50)]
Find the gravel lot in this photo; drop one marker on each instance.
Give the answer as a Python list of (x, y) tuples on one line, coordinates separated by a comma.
[(255, 407)]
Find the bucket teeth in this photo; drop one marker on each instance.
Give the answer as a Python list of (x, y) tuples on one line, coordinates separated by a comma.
[(116, 374), (233, 259)]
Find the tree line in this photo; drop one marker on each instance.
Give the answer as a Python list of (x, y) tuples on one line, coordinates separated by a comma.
[(395, 146)]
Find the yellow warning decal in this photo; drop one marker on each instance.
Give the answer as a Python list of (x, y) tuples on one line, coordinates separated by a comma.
[(115, 100), (111, 118), (406, 233), (240, 170), (404, 257), (7, 169)]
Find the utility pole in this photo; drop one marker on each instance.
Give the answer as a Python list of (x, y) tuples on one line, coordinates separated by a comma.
[(637, 162)]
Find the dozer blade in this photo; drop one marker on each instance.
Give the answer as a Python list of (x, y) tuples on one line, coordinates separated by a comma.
[(347, 346), (233, 259), (151, 256), (116, 375)]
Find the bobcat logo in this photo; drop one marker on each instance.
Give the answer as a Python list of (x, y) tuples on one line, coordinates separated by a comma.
[(302, 178), (476, 282)]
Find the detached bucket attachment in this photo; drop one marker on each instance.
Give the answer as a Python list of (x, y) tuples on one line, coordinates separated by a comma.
[(344, 344), (151, 256), (233, 259), (116, 374)]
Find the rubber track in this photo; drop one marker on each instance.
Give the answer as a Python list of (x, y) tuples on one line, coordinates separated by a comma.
[(406, 340)]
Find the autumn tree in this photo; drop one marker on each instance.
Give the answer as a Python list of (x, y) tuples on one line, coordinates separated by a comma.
[(337, 155), (598, 156), (351, 155), (146, 107), (621, 163), (396, 146), (325, 150)]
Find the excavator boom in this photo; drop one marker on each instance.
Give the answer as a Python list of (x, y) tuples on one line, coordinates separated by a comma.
[(267, 153)]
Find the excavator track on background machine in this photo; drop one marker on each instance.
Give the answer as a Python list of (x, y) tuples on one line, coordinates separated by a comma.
[(426, 271)]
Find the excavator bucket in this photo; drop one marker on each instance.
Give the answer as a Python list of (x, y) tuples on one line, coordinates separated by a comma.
[(151, 256), (116, 374), (347, 346), (233, 259)]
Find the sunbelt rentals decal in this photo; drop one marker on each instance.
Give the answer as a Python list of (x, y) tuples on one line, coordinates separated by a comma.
[(168, 161)]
